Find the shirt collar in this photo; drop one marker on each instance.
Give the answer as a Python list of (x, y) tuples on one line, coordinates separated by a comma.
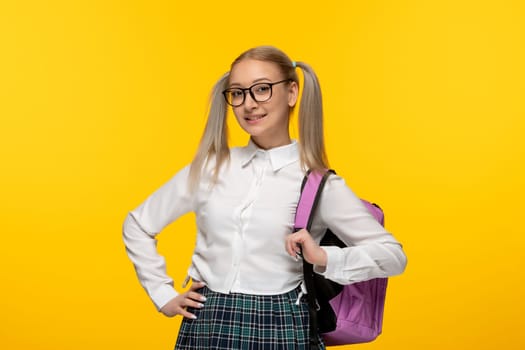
[(279, 156)]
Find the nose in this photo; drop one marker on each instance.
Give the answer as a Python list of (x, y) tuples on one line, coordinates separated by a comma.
[(249, 101)]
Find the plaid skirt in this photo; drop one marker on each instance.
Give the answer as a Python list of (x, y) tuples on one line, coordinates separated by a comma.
[(247, 322)]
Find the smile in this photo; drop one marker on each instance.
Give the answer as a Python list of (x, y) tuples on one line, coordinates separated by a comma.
[(254, 117)]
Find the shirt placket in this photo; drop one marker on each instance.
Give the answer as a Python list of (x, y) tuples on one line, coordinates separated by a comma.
[(243, 214)]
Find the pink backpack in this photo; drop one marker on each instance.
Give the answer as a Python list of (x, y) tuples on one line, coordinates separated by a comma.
[(346, 314)]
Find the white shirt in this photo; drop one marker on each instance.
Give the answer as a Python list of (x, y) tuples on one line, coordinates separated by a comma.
[(242, 222)]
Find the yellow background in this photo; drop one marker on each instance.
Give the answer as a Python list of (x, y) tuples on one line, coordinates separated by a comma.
[(101, 102)]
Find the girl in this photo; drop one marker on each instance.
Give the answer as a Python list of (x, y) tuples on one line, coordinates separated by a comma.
[(245, 271)]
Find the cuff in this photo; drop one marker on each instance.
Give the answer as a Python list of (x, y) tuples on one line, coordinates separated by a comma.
[(163, 295), (334, 263)]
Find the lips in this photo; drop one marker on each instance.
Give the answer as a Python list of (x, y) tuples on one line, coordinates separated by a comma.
[(254, 117)]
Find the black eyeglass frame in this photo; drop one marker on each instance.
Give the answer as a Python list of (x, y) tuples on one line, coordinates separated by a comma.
[(249, 89)]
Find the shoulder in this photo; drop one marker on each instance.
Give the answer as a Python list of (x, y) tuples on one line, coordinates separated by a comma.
[(337, 189), (335, 182), (180, 177)]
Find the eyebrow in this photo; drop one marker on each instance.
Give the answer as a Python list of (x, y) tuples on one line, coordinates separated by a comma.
[(253, 82)]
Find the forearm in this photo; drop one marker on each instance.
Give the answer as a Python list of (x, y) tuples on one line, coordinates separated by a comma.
[(150, 266), (361, 263)]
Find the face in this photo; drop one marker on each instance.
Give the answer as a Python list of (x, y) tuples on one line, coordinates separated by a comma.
[(266, 122)]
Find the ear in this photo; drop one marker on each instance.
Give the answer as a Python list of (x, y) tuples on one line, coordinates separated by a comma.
[(293, 93)]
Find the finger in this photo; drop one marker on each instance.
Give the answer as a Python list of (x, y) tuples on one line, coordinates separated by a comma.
[(296, 241), (294, 251), (291, 245), (187, 314), (296, 247), (196, 296), (303, 238), (298, 251), (193, 303), (301, 232), (197, 285), (288, 245)]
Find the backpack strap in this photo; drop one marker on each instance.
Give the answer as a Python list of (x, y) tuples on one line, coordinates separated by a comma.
[(311, 189)]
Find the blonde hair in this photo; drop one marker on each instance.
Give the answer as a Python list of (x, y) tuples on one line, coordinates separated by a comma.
[(214, 143)]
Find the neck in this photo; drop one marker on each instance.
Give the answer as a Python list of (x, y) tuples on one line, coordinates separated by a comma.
[(269, 144)]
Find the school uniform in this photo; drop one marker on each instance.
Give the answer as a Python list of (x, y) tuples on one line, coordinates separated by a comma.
[(253, 287)]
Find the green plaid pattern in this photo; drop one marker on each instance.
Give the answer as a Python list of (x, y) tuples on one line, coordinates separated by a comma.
[(247, 322)]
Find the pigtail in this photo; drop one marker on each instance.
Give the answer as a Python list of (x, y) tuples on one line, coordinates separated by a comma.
[(311, 134), (214, 140)]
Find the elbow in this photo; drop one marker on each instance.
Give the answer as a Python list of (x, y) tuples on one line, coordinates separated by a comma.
[(400, 262), (397, 262), (127, 224), (132, 229)]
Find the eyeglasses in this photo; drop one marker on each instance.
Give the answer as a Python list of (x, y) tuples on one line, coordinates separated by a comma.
[(260, 92)]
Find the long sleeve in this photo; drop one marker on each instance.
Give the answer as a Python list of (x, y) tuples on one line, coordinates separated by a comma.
[(141, 227), (372, 251)]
